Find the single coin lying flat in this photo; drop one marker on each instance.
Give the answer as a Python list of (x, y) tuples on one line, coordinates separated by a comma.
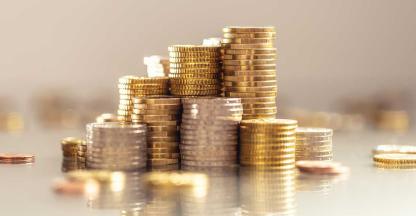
[(321, 167)]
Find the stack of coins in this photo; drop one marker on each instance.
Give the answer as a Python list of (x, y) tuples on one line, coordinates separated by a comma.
[(209, 131), (395, 161), (268, 143), (162, 117), (194, 70), (70, 147), (82, 155), (314, 144), (115, 146), (131, 87), (249, 69), (267, 192)]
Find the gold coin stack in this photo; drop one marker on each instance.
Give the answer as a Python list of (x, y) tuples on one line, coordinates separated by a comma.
[(268, 143), (82, 155), (249, 69), (395, 161), (131, 87), (314, 144), (70, 147), (162, 116), (194, 70)]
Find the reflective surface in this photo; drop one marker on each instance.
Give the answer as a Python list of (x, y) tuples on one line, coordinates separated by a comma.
[(26, 189)]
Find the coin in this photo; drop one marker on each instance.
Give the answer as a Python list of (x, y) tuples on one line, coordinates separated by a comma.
[(321, 167), (193, 48), (404, 149), (250, 35), (236, 40)]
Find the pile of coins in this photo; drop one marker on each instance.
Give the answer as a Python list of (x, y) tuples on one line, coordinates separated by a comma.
[(314, 144), (268, 143), (209, 131), (131, 87), (249, 69), (70, 147), (162, 117), (194, 70), (115, 146)]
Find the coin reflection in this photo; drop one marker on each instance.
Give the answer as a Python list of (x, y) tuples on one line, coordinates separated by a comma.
[(128, 194), (267, 192), (220, 198), (317, 183)]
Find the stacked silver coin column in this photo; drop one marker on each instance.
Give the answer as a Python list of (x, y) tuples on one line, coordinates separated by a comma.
[(209, 131), (114, 146), (314, 144)]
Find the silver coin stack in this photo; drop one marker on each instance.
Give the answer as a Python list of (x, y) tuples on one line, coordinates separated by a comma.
[(114, 146), (314, 144), (209, 131)]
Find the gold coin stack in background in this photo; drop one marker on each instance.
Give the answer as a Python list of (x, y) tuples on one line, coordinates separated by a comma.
[(314, 144), (131, 87), (194, 70), (209, 131), (70, 147), (82, 155), (115, 146), (268, 143), (249, 69), (395, 161), (162, 116)]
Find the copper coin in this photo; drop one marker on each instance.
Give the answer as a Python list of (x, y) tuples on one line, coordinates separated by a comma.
[(321, 167), (14, 158)]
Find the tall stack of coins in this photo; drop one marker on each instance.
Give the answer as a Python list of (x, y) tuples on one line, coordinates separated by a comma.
[(162, 117), (313, 144), (267, 192), (70, 147), (82, 155), (209, 131), (114, 146), (131, 87), (194, 70), (268, 143), (249, 69)]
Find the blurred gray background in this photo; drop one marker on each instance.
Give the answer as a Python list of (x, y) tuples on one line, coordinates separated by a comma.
[(328, 49)]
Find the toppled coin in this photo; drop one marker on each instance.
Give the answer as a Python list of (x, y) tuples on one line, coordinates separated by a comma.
[(68, 187), (322, 167), (15, 158)]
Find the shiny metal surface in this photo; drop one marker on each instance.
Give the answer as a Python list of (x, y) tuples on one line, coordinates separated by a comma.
[(26, 189)]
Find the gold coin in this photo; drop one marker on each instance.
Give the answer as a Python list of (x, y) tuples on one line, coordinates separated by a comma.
[(194, 76), (142, 86), (248, 40), (395, 158), (194, 81), (250, 57), (248, 62), (156, 112), (163, 155), (193, 54), (251, 89), (162, 100), (241, 29), (193, 48), (150, 118), (260, 51), (249, 78), (158, 106), (130, 79), (195, 65), (194, 60), (250, 94), (163, 144), (260, 100), (250, 84), (162, 123), (271, 122), (163, 128), (195, 86), (250, 35), (195, 93), (249, 67), (161, 162), (263, 105), (236, 46), (211, 70)]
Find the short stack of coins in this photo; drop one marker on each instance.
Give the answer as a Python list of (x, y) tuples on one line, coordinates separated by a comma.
[(249, 69), (82, 155), (314, 144), (70, 147), (268, 143), (209, 131), (162, 115), (194, 70), (131, 87), (115, 146)]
